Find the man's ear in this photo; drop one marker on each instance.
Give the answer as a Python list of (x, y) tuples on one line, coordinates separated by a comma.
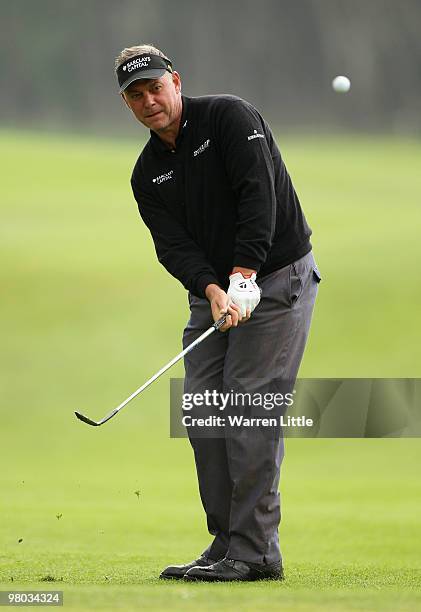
[(176, 79)]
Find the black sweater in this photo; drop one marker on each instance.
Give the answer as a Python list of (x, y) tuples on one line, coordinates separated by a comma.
[(222, 198)]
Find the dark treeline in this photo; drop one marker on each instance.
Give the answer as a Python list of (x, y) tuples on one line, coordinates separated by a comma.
[(57, 59)]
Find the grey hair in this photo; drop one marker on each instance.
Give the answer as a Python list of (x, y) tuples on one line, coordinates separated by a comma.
[(129, 52)]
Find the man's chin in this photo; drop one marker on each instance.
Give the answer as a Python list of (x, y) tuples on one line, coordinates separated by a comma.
[(158, 122)]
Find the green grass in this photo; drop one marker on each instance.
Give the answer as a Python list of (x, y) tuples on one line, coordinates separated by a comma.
[(88, 315)]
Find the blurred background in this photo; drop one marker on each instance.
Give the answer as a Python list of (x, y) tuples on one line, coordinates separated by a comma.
[(57, 68), (88, 314)]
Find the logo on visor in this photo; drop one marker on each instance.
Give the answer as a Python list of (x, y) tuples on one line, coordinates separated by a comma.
[(139, 62)]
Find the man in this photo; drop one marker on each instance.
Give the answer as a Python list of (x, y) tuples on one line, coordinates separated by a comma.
[(226, 222)]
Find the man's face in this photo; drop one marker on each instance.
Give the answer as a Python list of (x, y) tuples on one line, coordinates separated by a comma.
[(155, 102)]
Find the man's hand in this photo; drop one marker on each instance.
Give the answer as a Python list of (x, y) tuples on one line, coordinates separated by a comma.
[(220, 304), (244, 292)]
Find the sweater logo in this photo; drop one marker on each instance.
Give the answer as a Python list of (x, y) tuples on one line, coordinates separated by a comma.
[(163, 177), (201, 148), (255, 135)]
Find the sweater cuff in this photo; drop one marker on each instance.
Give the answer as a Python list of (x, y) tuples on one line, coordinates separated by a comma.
[(203, 281), (242, 261)]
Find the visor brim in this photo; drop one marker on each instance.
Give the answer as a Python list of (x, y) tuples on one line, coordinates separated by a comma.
[(141, 76)]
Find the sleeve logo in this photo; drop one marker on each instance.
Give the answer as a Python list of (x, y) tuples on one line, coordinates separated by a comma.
[(255, 135)]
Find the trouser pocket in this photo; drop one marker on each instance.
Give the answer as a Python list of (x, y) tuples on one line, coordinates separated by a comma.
[(316, 274), (295, 284), (301, 273)]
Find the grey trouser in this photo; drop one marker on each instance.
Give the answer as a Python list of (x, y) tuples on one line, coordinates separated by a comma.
[(239, 473)]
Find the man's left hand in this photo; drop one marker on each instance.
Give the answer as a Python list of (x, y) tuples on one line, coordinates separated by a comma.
[(244, 292)]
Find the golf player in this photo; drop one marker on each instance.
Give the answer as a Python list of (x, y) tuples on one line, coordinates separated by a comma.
[(213, 190)]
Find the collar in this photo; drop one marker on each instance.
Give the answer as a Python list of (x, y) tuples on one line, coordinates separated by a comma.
[(158, 144)]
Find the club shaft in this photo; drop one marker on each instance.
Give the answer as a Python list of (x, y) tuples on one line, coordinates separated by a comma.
[(166, 367), (216, 326)]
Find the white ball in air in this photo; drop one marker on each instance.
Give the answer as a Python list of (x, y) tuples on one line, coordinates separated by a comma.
[(341, 84)]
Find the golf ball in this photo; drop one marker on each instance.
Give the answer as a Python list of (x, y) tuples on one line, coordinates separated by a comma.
[(341, 84)]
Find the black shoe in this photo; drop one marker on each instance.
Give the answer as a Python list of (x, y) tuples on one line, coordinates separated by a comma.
[(229, 569), (177, 571)]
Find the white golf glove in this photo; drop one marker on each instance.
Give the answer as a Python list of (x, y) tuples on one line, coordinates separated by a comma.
[(244, 292)]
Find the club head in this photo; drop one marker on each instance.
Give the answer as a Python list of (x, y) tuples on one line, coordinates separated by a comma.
[(85, 419), (88, 421)]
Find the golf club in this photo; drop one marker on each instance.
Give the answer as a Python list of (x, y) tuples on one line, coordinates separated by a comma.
[(217, 325)]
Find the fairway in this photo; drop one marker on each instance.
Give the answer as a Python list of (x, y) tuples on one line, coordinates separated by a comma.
[(88, 315)]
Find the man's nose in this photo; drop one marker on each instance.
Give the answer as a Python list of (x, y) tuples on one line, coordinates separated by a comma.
[(148, 99)]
